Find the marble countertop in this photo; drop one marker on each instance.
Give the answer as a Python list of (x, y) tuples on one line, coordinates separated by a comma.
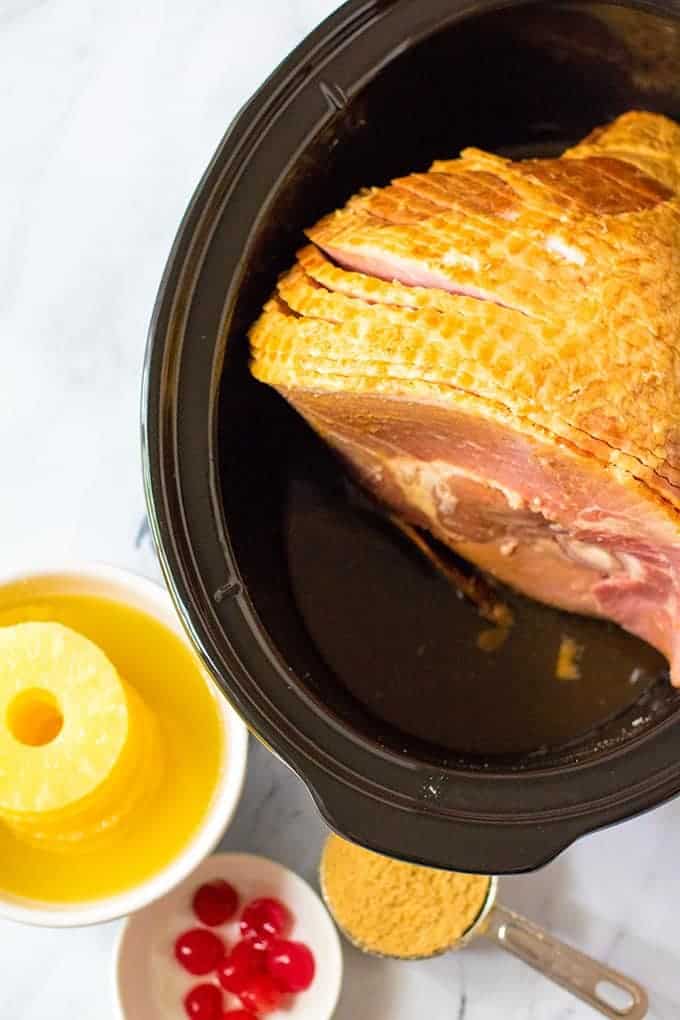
[(109, 114)]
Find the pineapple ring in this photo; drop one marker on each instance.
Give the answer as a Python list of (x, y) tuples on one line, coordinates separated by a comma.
[(123, 775), (68, 678), (89, 824)]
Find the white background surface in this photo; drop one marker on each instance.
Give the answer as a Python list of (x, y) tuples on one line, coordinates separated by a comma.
[(109, 112)]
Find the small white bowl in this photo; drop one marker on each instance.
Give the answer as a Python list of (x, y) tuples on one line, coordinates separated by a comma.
[(140, 593), (150, 985)]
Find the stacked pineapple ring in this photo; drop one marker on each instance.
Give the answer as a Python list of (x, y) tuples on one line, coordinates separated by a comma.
[(79, 749)]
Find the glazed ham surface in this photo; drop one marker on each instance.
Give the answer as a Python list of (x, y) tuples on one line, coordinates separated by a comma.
[(493, 347)]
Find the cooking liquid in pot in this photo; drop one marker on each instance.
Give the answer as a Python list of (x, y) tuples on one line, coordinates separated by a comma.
[(405, 644)]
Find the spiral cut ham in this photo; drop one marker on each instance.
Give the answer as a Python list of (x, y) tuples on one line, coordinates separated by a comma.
[(493, 347)]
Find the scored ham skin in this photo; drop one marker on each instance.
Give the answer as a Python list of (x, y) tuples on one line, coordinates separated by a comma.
[(494, 350)]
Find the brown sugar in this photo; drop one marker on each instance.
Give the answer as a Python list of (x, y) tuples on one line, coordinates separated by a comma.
[(398, 909)]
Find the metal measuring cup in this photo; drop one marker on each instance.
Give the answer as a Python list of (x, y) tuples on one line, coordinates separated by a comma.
[(573, 970)]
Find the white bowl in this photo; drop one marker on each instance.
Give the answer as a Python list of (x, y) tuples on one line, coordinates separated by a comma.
[(149, 985), (140, 593)]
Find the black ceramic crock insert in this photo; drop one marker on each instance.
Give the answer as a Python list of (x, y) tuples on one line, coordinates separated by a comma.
[(339, 646)]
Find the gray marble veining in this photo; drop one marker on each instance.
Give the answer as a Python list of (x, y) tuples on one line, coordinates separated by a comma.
[(109, 114)]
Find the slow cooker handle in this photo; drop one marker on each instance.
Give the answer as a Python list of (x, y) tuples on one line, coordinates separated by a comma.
[(424, 836)]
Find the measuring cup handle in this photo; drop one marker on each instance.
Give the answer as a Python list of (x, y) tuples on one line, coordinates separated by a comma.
[(575, 971)]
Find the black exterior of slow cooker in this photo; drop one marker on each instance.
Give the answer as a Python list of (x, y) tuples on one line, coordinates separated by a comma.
[(379, 81)]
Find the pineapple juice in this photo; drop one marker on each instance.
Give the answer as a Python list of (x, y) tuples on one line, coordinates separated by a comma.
[(154, 661)]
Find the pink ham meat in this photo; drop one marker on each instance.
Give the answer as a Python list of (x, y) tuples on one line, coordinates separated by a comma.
[(493, 348)]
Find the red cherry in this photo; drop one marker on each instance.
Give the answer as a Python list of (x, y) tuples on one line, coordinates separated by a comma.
[(238, 1014), (246, 959), (215, 902), (199, 951), (203, 1002), (261, 995), (265, 917), (291, 964)]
